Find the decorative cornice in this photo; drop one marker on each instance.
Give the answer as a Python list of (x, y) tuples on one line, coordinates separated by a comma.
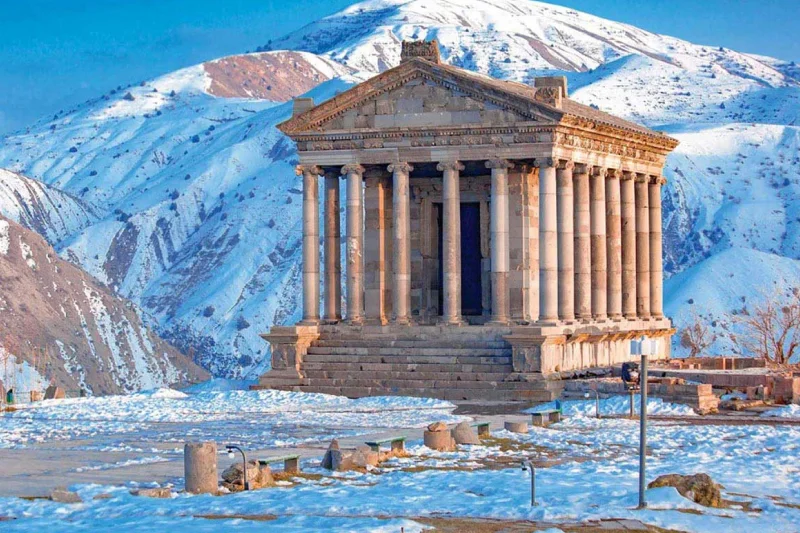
[(449, 165), (565, 164), (314, 170), (544, 162), (401, 167), (353, 168), (499, 163)]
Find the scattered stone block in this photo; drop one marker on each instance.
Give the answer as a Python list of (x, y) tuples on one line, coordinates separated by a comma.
[(364, 456), (62, 495), (516, 427), (200, 467), (439, 437), (157, 492), (258, 476), (328, 458), (463, 434), (54, 393), (102, 496), (699, 488)]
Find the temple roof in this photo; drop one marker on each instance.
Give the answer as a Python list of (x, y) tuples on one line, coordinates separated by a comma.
[(545, 102)]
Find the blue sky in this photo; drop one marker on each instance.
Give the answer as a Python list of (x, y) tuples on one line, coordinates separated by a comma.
[(57, 53)]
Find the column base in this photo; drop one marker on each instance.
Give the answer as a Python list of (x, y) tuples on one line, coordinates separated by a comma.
[(453, 321), (403, 321), (309, 322), (498, 322)]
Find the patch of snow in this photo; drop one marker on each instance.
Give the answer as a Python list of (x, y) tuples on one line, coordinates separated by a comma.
[(786, 411), (5, 240), (616, 405)]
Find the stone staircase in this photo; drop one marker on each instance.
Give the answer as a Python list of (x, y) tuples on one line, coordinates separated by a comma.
[(473, 367)]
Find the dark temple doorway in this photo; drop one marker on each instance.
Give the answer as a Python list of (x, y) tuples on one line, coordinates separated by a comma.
[(471, 290)]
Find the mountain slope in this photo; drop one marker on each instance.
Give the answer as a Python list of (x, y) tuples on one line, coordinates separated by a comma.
[(196, 195), (60, 323), (48, 211), (198, 205)]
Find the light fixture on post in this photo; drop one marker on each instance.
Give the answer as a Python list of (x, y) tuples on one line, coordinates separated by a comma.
[(232, 455), (527, 464)]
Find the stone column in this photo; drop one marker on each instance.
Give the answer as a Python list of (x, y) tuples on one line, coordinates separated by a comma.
[(566, 244), (548, 241), (451, 241), (401, 198), (333, 250), (613, 244), (656, 244), (310, 242), (642, 247), (377, 244), (200, 467), (597, 213), (583, 245), (628, 223), (355, 243), (498, 229)]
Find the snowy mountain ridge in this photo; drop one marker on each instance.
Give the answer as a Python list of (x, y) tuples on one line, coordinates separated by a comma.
[(199, 209)]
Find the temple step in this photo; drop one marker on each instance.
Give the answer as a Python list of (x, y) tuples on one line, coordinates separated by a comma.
[(396, 351), (443, 394), (355, 366), (408, 375), (409, 359), (385, 342)]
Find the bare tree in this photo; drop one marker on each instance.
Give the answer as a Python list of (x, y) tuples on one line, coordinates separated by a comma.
[(771, 330), (696, 336)]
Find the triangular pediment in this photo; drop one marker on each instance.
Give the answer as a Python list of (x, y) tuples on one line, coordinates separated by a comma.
[(421, 94)]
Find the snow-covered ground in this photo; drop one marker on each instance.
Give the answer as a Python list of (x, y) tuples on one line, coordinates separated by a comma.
[(196, 208), (267, 418), (586, 469)]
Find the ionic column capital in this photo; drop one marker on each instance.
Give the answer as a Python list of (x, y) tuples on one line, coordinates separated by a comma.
[(596, 171), (640, 178), (402, 167), (352, 168), (612, 174), (626, 175), (565, 164), (504, 164), (657, 180), (580, 168), (544, 162), (314, 170), (449, 165)]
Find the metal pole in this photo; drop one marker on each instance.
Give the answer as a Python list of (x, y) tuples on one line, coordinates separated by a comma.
[(642, 431), (245, 482), (528, 465)]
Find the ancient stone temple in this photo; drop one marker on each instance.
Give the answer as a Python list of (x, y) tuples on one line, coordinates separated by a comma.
[(496, 234)]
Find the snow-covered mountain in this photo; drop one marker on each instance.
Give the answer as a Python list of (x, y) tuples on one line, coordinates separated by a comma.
[(57, 322), (197, 205)]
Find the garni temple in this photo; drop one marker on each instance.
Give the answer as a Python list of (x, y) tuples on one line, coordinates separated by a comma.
[(497, 236)]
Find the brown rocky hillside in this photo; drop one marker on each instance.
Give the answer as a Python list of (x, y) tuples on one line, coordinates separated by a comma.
[(58, 322)]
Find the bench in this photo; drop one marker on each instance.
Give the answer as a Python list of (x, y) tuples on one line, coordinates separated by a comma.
[(291, 463), (483, 429), (544, 418), (397, 444)]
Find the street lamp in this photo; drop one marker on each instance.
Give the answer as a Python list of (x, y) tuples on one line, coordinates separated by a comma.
[(596, 401), (232, 455)]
